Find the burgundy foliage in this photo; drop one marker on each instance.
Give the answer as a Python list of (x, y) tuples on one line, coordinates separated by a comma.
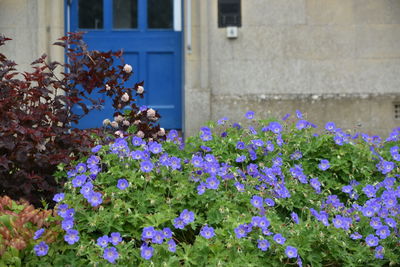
[(36, 114)]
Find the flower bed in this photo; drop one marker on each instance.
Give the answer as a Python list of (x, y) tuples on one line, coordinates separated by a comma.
[(269, 194)]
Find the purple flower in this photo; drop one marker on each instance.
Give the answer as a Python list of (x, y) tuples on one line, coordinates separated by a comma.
[(291, 252), (158, 237), (146, 166), (249, 114), (146, 252), (241, 158), (38, 234), (110, 254), (383, 232), (187, 216), (240, 145), (239, 187), (201, 188), (241, 231), (167, 232), (347, 189), (155, 148), (299, 114), (137, 141), (296, 155), (207, 232), (148, 233), (379, 252), (41, 249), (179, 223), (96, 148), (270, 202), (371, 240), (122, 184), (62, 210), (58, 197), (375, 223), (171, 245), (263, 245), (369, 190), (391, 222), (67, 224), (86, 189), (278, 238), (115, 238), (275, 127), (95, 198), (72, 236), (330, 126), (80, 168), (79, 180), (295, 217), (212, 183), (324, 165), (257, 202), (301, 124), (103, 241), (356, 236), (263, 223), (222, 120)]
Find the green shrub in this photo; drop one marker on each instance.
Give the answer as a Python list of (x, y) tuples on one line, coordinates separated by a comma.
[(270, 194)]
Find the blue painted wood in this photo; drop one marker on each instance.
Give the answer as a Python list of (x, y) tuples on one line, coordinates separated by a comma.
[(156, 58)]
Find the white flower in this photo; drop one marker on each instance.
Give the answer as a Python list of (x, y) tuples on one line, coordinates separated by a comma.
[(119, 133), (127, 68), (140, 134), (106, 122), (140, 89), (118, 118), (114, 124), (108, 88), (126, 123), (136, 122), (151, 113), (161, 132), (125, 97)]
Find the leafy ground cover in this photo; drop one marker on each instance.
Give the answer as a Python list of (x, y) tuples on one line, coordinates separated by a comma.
[(270, 194)]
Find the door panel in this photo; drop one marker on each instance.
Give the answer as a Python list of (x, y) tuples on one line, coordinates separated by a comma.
[(149, 43)]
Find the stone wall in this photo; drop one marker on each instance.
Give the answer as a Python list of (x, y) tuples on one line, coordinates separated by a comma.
[(336, 60), (33, 25)]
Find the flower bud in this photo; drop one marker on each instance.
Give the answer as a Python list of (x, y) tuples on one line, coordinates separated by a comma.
[(140, 134), (151, 113), (161, 132), (118, 118), (106, 122), (125, 97), (114, 124), (140, 89), (127, 68)]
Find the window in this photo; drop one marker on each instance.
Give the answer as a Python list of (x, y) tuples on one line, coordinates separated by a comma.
[(229, 13), (125, 14), (90, 13)]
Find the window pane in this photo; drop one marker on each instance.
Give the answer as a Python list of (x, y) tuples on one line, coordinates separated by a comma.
[(125, 14), (160, 14), (90, 14)]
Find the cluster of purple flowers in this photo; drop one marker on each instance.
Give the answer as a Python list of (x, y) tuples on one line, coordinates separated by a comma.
[(110, 253), (150, 235), (184, 219)]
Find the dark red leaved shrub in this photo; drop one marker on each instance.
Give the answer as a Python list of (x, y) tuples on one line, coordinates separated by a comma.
[(36, 112)]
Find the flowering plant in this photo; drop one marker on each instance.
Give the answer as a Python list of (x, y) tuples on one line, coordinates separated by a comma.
[(270, 194)]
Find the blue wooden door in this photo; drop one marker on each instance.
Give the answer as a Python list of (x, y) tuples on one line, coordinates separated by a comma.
[(149, 32)]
